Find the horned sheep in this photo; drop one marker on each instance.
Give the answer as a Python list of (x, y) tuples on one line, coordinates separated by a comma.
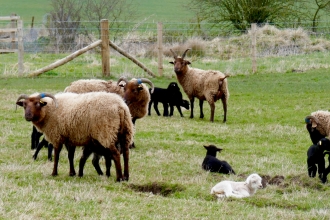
[(82, 120), (229, 188), (134, 92), (209, 85)]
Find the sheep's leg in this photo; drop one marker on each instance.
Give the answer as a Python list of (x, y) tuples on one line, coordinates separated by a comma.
[(108, 163), (149, 107), (156, 108), (116, 158), (325, 174), (201, 108), (224, 105), (86, 153), (192, 107), (165, 106), (171, 109), (35, 136), (40, 146), (57, 150), (212, 105), (126, 159), (179, 110), (96, 163), (71, 150), (50, 151)]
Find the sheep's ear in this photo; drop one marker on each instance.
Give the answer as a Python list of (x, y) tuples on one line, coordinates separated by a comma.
[(219, 149), (172, 62), (313, 123), (20, 103), (187, 62), (42, 103), (206, 147)]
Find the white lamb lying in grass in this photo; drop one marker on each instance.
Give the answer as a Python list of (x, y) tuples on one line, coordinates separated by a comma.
[(238, 189)]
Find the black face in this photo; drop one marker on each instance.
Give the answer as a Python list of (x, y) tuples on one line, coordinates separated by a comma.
[(314, 134)]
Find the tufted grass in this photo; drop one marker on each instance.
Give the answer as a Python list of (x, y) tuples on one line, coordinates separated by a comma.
[(265, 134)]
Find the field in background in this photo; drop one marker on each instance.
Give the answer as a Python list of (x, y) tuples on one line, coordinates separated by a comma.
[(169, 10), (265, 133)]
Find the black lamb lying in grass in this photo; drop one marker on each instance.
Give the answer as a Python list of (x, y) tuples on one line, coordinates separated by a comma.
[(315, 156), (212, 164), (171, 96)]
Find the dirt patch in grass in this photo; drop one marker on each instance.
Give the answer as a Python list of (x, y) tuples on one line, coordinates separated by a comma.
[(159, 188)]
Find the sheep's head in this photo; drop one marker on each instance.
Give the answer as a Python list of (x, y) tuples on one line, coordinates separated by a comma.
[(180, 64), (313, 129), (254, 181), (185, 104), (33, 104), (134, 89), (212, 150), (173, 86)]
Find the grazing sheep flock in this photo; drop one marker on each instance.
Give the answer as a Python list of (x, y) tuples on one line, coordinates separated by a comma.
[(100, 116)]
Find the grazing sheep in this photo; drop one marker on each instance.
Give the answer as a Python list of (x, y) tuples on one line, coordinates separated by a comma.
[(171, 96), (81, 120), (318, 125), (315, 156), (209, 85), (238, 189), (213, 164)]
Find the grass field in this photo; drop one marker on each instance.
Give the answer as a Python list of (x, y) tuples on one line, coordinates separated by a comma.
[(265, 133), (164, 11)]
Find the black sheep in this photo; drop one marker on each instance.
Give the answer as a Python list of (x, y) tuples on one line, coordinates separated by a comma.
[(212, 164), (315, 156), (35, 144), (170, 97)]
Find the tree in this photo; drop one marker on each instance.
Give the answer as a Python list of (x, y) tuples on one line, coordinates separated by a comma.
[(321, 5), (113, 10), (64, 21), (241, 13)]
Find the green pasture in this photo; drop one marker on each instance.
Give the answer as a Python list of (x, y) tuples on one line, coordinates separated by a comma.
[(265, 133)]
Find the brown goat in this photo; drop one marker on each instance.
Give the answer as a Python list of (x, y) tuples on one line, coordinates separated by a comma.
[(209, 85)]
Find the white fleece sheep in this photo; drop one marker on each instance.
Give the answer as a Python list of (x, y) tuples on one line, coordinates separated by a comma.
[(80, 120), (238, 189), (209, 85)]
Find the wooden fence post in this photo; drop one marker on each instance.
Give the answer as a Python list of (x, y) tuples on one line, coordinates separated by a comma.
[(13, 24), (160, 47), (20, 47), (105, 48), (254, 47)]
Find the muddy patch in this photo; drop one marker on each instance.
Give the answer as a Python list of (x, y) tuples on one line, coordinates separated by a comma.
[(158, 188)]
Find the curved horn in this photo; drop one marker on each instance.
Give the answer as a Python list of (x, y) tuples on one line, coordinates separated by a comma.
[(184, 53), (145, 80), (43, 95), (123, 78), (22, 96), (174, 54), (308, 118)]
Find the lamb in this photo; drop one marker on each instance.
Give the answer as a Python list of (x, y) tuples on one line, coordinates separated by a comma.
[(209, 85), (212, 164), (81, 120), (35, 144), (315, 155), (229, 188), (318, 125), (171, 96)]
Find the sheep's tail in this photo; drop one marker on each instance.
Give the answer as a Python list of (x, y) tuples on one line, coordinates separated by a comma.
[(223, 86)]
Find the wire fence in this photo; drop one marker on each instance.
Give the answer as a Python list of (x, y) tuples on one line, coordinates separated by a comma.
[(206, 40)]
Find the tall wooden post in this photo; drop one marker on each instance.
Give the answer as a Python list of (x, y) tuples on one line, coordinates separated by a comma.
[(13, 24), (105, 48), (160, 47), (254, 47), (20, 46)]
